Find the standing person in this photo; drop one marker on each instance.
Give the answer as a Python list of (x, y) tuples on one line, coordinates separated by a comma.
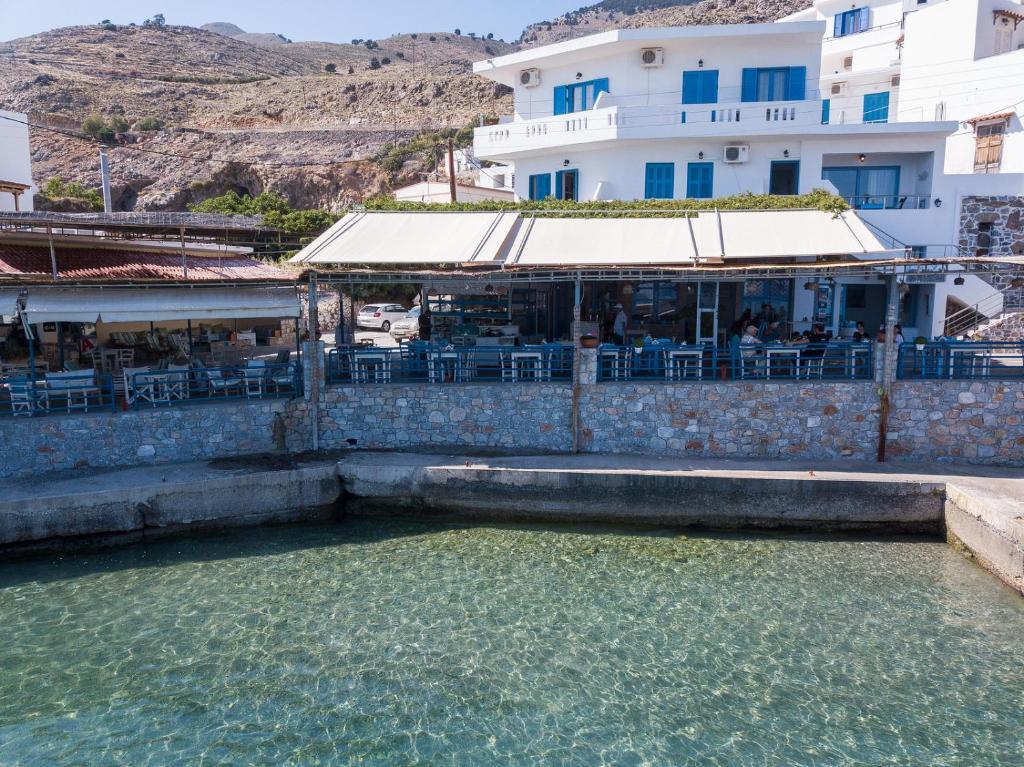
[(860, 334), (619, 326), (339, 329), (424, 324), (898, 335)]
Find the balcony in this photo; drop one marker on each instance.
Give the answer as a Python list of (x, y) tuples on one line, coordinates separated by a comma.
[(617, 121)]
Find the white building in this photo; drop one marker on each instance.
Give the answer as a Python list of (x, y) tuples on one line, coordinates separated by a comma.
[(709, 111), (16, 188), (440, 192)]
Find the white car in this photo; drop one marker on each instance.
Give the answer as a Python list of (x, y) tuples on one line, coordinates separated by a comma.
[(408, 326), (380, 316)]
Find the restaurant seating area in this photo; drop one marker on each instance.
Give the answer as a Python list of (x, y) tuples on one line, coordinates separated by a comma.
[(444, 363)]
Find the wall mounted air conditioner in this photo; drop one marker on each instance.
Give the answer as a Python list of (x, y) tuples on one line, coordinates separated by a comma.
[(895, 81), (848, 63), (838, 89), (529, 78), (652, 57), (736, 153)]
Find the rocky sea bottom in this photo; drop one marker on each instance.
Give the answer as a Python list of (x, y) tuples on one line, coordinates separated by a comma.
[(400, 643)]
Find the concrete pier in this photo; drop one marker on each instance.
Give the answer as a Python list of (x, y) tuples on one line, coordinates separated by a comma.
[(979, 509)]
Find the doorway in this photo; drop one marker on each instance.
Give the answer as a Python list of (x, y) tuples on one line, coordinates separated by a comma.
[(785, 177)]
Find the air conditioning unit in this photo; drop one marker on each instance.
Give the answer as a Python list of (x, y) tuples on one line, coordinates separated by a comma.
[(529, 78), (848, 63), (838, 89), (736, 153), (652, 57), (895, 81)]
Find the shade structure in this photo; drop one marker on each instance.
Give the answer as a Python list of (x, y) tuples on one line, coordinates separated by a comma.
[(158, 304), (412, 238), (795, 233), (9, 301)]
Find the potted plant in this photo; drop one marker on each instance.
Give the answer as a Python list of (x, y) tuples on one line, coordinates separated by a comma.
[(588, 341), (919, 342)]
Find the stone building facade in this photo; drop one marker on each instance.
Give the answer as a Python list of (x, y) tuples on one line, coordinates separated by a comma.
[(994, 226)]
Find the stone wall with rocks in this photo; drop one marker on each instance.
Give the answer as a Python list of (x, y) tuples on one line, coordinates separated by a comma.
[(519, 416), (33, 446), (994, 226), (1009, 327), (964, 421), (732, 420)]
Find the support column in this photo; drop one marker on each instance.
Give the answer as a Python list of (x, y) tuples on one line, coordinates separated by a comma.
[(888, 353), (576, 359), (313, 381)]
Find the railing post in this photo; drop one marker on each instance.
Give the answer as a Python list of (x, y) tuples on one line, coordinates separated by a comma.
[(313, 386)]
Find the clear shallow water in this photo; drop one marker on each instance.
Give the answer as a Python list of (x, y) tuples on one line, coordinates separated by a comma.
[(405, 643)]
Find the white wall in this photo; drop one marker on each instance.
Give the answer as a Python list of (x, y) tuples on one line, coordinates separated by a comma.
[(15, 159)]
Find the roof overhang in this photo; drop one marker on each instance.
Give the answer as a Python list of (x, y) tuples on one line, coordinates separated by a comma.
[(9, 301), (504, 69)]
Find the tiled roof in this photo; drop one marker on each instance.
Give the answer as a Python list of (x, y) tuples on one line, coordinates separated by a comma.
[(986, 118), (116, 265)]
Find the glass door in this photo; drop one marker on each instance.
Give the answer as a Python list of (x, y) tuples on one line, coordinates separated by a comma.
[(707, 312)]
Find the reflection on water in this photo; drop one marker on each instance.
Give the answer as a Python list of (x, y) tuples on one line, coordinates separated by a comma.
[(406, 643)]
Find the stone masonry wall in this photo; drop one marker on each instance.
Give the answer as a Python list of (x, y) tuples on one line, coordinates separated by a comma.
[(994, 226), (964, 421), (32, 446), (525, 416), (733, 420), (1008, 327)]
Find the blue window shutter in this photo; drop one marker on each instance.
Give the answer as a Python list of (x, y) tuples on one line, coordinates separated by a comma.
[(796, 84), (749, 90), (558, 184), (659, 181), (561, 97), (837, 28), (709, 89), (699, 179), (863, 14), (876, 107), (600, 86), (826, 108), (540, 186), (691, 87), (682, 117)]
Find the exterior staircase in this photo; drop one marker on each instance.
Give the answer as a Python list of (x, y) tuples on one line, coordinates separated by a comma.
[(987, 316)]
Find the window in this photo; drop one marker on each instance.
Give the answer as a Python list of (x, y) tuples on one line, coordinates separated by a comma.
[(700, 179), (578, 97), (700, 86), (567, 184), (659, 181), (540, 186), (656, 303), (988, 147), (826, 109), (774, 84), (784, 179), (867, 188), (851, 22), (918, 251), (1003, 42), (876, 107)]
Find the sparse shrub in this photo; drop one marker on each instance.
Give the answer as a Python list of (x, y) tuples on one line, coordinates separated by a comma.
[(374, 63), (330, 68), (147, 124), (56, 188), (433, 39), (385, 61), (458, 32), (119, 56)]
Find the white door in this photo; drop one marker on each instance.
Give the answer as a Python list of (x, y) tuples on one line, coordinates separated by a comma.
[(707, 312)]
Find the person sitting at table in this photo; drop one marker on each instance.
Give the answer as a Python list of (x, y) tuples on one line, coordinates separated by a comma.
[(749, 341), (771, 333), (860, 334)]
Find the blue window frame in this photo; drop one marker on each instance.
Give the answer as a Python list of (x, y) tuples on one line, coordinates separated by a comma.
[(867, 187), (660, 181), (567, 184), (579, 97), (876, 107), (826, 109), (540, 186), (774, 84), (851, 22), (700, 180), (700, 86), (784, 177)]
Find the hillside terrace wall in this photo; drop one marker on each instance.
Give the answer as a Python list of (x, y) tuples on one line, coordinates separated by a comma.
[(962, 421)]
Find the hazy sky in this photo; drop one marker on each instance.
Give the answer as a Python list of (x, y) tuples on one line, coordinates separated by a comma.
[(337, 21)]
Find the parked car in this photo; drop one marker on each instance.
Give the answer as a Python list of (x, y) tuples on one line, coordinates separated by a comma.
[(380, 316), (408, 326)]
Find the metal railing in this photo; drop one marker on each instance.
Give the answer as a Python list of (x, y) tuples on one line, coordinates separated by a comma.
[(659, 361), (430, 363), (970, 317), (71, 392), (184, 385), (959, 360), (890, 201)]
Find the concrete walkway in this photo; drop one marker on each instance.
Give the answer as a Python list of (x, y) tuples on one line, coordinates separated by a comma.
[(979, 507)]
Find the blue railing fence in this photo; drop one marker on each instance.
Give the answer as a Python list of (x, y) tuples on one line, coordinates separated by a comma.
[(664, 361), (66, 392), (972, 360), (433, 363)]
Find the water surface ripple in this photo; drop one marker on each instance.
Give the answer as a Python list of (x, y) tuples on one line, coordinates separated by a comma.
[(407, 643)]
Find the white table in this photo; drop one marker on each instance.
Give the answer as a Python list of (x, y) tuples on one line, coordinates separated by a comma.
[(528, 365), (679, 361), (371, 366), (783, 352)]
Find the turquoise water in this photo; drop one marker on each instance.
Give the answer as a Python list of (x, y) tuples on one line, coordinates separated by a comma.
[(400, 643)]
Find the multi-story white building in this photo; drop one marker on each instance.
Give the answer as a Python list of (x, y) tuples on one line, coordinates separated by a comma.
[(718, 110), (16, 189)]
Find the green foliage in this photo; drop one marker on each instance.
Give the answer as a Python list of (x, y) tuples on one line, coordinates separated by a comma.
[(205, 80), (94, 125), (428, 146), (374, 63), (276, 212), (147, 124), (331, 68), (818, 199), (57, 189)]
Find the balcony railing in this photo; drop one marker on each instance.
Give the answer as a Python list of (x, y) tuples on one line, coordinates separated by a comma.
[(890, 201), (958, 360)]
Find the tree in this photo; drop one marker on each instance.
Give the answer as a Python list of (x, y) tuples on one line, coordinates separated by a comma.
[(374, 63), (458, 32), (490, 35), (159, 20), (276, 212), (331, 68), (385, 61)]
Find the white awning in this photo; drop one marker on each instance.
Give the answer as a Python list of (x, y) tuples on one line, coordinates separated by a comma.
[(412, 238), (794, 233), (9, 301), (604, 242), (135, 305)]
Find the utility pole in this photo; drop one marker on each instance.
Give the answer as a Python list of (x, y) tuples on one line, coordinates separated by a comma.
[(105, 179), (451, 170)]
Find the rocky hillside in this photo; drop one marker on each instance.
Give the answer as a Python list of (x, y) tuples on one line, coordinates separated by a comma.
[(198, 112)]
